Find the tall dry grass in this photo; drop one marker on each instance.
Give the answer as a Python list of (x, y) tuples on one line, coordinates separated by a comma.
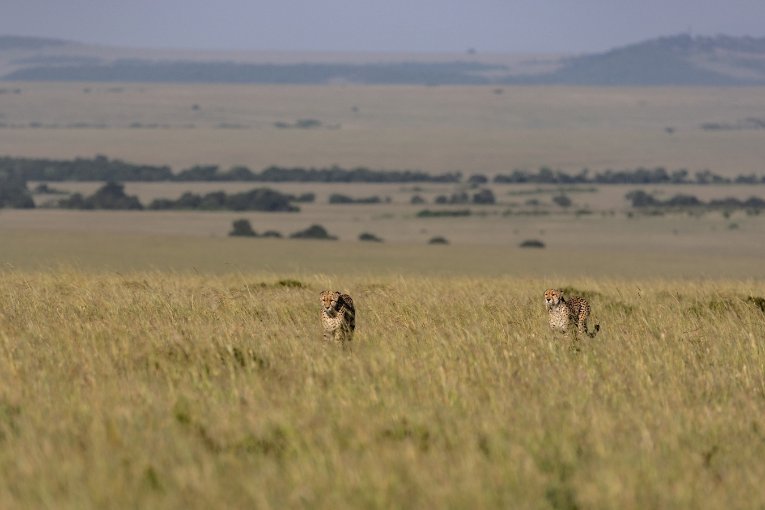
[(179, 390)]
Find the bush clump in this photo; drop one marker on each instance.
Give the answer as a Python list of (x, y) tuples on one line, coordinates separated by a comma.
[(366, 236), (258, 199), (438, 240), (532, 243), (242, 228), (314, 232), (484, 197), (337, 198), (14, 192), (429, 213), (109, 196)]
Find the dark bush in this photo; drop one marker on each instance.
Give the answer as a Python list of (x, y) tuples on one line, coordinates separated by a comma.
[(478, 179), (14, 192), (271, 233), (304, 198), (532, 243), (428, 213), (337, 198), (562, 200), (44, 188), (417, 200), (110, 196), (438, 240), (366, 236), (485, 196), (258, 199), (242, 228), (313, 232), (640, 198)]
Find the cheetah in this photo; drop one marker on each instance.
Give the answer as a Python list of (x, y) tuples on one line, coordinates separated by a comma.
[(566, 313), (338, 316)]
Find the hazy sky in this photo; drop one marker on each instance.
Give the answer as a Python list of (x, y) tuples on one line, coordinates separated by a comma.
[(381, 25)]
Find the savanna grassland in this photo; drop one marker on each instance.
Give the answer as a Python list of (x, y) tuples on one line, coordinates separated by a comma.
[(150, 388), (149, 360), (436, 129)]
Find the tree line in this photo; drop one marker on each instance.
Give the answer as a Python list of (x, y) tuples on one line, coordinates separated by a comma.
[(101, 168), (642, 199), (112, 196)]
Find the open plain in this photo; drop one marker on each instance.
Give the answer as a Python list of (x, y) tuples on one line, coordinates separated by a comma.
[(149, 360), (437, 129)]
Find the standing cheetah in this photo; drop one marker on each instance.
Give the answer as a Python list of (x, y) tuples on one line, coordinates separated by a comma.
[(338, 316), (566, 313)]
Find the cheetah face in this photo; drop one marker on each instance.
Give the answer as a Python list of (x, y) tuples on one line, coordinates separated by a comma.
[(329, 302), (552, 298)]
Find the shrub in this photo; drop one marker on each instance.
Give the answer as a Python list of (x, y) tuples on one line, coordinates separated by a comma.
[(417, 200), (271, 233), (14, 192), (110, 196), (428, 213), (337, 198), (532, 243), (44, 188), (313, 232), (258, 199), (366, 236), (305, 198), (562, 200), (242, 227), (438, 240), (485, 196), (478, 179)]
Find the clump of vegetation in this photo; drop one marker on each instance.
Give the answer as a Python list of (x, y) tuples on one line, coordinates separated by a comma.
[(314, 232), (532, 243), (366, 236), (484, 197), (258, 199), (102, 168), (14, 192), (242, 228), (642, 199), (417, 200), (562, 201), (443, 213), (477, 179), (45, 189), (110, 196), (438, 240), (337, 198)]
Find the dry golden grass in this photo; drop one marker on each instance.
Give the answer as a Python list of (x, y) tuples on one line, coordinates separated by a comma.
[(165, 389)]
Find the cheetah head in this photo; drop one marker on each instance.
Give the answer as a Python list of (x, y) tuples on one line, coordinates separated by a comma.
[(329, 302), (552, 298)]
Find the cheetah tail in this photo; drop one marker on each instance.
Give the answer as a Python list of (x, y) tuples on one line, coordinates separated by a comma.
[(592, 335)]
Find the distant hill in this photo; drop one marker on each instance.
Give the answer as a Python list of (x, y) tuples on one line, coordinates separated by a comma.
[(675, 60)]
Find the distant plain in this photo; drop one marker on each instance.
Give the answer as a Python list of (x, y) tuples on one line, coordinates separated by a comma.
[(437, 129)]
